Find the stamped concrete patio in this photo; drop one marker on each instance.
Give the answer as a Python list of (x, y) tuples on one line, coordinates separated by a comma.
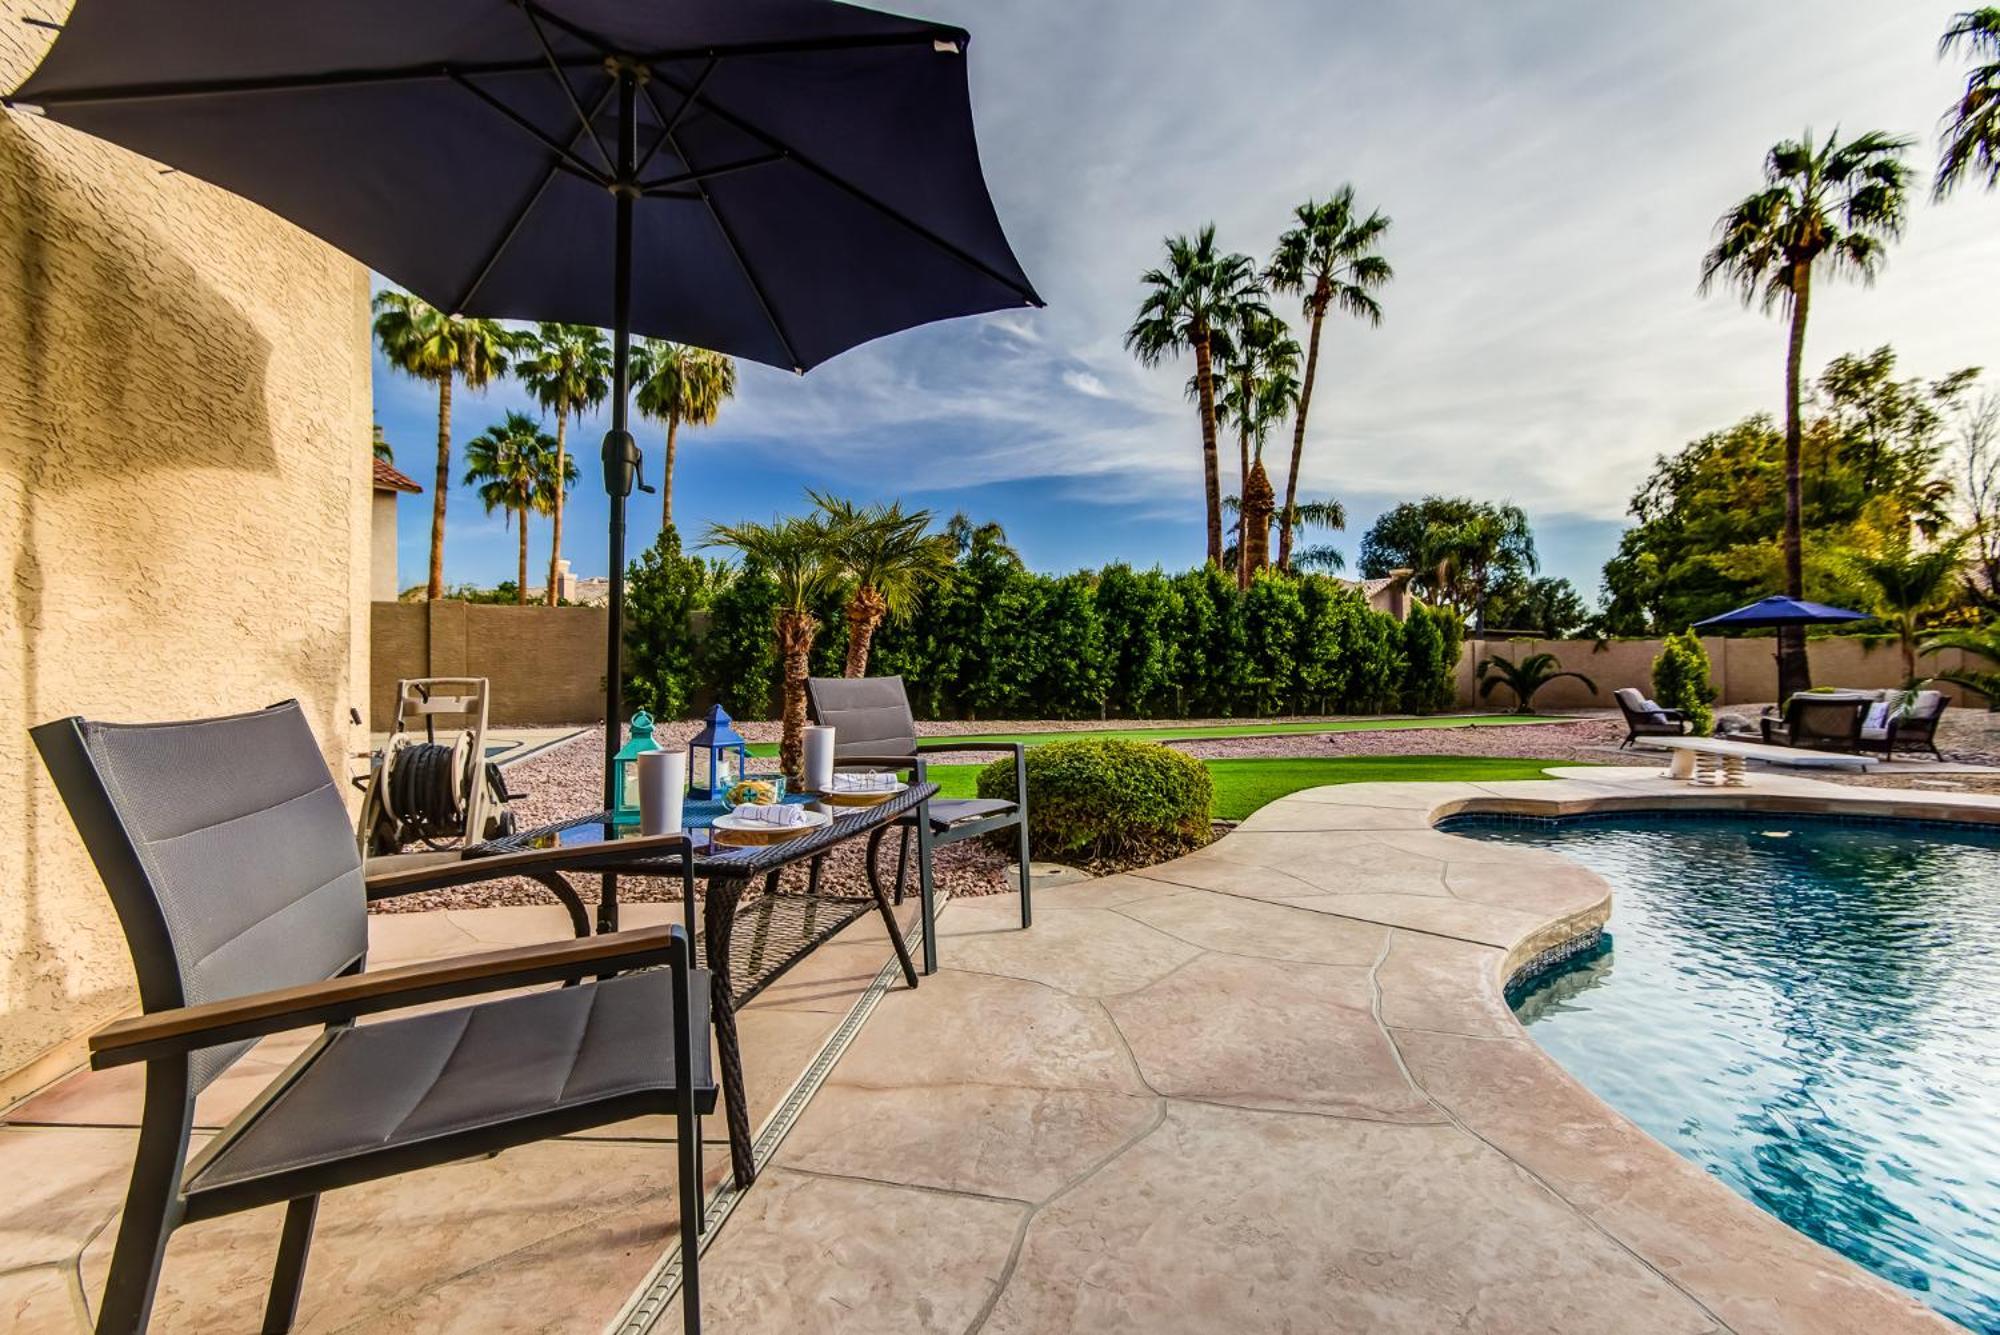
[(1270, 1086)]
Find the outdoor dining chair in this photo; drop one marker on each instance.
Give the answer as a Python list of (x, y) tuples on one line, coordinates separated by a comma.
[(226, 849), (873, 728)]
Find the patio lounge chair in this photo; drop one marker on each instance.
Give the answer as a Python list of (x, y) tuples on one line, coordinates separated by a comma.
[(1641, 721), (1912, 729), (874, 729), (227, 852), (1818, 723)]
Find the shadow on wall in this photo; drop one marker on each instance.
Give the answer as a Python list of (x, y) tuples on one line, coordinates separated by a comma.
[(120, 371)]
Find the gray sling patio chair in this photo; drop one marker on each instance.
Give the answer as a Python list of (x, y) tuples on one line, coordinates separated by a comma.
[(227, 852), (874, 729)]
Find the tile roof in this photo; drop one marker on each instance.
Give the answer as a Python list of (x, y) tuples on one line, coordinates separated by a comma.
[(387, 478)]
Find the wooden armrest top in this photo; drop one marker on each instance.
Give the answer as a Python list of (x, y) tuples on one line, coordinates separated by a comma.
[(165, 1033), (485, 867)]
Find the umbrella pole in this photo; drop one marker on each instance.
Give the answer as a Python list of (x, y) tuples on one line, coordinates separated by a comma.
[(620, 454)]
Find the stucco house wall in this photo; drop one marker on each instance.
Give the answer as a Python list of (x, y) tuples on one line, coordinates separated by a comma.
[(184, 505), (382, 583)]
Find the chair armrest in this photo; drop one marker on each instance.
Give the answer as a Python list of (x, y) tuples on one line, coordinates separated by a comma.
[(1015, 748), (176, 1032), (470, 870)]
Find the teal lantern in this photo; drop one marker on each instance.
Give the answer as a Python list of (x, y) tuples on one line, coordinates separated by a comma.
[(710, 771), (625, 770)]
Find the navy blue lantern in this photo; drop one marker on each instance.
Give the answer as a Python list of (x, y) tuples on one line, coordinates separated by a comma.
[(716, 740)]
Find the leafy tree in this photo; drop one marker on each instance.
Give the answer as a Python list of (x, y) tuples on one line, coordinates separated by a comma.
[(567, 367), (1833, 207), (1548, 607), (1457, 547), (1072, 677), (1196, 292), (1981, 642), (663, 592), (1525, 678), (513, 466), (422, 341), (1971, 141), (1681, 680), (739, 658), (1975, 429), (1328, 257), (680, 385), (1139, 610), (890, 557), (1274, 622), (1212, 643), (797, 555), (1906, 583), (1431, 640)]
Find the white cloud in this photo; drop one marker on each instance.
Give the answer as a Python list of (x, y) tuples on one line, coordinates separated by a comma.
[(1083, 382)]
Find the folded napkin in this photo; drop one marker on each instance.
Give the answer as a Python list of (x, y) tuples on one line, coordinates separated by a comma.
[(772, 814), (865, 781)]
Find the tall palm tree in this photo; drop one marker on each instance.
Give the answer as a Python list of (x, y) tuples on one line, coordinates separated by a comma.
[(1905, 583), (681, 385), (512, 463), (1198, 291), (1832, 206), (1972, 126), (890, 556), (1329, 258), (798, 554), (1257, 362), (567, 367), (422, 341)]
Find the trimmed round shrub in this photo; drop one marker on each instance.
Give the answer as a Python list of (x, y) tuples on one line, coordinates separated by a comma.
[(1108, 802)]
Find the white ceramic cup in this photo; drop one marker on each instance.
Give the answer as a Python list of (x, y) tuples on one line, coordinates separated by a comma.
[(819, 758), (663, 785)]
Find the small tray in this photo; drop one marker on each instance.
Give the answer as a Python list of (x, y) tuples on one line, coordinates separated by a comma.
[(733, 830), (859, 797)]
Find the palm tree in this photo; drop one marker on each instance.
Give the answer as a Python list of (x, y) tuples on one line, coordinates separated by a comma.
[(383, 449), (1981, 642), (1327, 514), (1905, 583), (1196, 292), (1524, 678), (1258, 363), (567, 367), (422, 341), (798, 554), (891, 557), (1329, 258), (512, 463), (1833, 206), (1972, 126), (680, 385)]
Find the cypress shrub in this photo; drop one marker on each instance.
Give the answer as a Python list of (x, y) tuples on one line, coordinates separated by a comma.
[(1681, 680)]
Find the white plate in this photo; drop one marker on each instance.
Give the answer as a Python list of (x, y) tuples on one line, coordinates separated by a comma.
[(736, 824)]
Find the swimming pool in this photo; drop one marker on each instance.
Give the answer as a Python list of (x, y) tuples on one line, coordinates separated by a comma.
[(1810, 1010)]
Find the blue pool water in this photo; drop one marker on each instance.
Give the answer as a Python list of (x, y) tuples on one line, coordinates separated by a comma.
[(1810, 1010)]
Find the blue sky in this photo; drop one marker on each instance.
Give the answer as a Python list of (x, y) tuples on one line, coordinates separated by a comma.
[(1553, 169)]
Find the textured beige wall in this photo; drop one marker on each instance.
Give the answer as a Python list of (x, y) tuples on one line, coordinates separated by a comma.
[(544, 664), (1744, 670), (184, 499)]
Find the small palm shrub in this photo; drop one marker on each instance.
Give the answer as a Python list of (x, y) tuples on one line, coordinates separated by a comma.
[(1104, 802), (1681, 680), (1525, 678), (1981, 642)]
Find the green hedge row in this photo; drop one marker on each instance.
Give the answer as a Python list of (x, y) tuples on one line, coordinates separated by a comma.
[(997, 641)]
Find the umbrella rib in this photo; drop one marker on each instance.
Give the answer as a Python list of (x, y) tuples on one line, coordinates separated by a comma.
[(521, 215), (708, 173), (555, 68), (841, 183), (281, 83), (564, 155), (670, 124)]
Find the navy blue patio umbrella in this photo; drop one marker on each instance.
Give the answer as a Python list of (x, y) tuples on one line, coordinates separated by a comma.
[(1779, 610), (775, 179)]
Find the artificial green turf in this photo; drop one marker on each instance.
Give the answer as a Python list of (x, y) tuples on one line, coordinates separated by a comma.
[(1269, 728), (1241, 786)]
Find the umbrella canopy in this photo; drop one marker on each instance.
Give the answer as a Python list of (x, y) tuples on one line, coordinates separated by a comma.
[(1778, 610), (775, 179)]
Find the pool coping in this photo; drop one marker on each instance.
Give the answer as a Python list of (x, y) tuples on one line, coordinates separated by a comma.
[(1747, 1268)]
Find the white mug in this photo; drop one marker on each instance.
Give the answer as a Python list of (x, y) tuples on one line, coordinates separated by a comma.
[(819, 759), (662, 791)]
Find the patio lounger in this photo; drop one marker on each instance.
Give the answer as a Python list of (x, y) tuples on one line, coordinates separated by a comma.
[(227, 852), (1641, 721), (874, 729), (1818, 723), (1913, 729)]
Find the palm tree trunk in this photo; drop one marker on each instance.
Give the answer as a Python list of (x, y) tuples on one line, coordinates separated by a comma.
[(1794, 670), (865, 611), (667, 476), (1204, 380), (436, 588), (521, 565), (1256, 515), (554, 594), (1243, 494), (1299, 429), (795, 640)]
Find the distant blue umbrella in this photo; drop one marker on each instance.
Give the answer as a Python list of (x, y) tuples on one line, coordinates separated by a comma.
[(1778, 610)]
